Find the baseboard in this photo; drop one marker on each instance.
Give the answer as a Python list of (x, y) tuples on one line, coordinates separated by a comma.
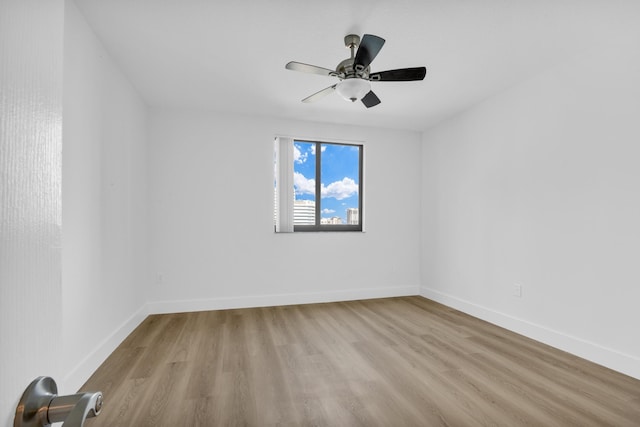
[(159, 307), (624, 363), (610, 358), (76, 378)]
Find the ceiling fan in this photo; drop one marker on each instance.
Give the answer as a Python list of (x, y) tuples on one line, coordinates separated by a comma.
[(355, 72)]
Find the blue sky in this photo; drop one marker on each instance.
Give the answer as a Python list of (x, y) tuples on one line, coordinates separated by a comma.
[(339, 177)]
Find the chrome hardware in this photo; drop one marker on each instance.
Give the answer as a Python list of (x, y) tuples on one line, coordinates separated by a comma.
[(40, 406), (352, 41)]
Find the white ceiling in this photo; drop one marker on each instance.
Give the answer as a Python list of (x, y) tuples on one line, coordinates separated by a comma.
[(230, 55)]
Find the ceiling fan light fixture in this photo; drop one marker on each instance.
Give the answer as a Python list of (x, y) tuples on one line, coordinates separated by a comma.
[(353, 89)]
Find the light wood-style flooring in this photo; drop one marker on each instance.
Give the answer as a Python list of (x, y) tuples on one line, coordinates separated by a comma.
[(387, 362)]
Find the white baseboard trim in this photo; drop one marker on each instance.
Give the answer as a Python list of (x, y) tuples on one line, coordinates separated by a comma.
[(621, 362), (610, 358), (159, 307), (76, 378)]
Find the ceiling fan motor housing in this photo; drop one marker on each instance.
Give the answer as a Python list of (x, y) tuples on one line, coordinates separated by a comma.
[(347, 69)]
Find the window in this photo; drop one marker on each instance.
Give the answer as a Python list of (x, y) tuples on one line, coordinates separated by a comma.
[(318, 186)]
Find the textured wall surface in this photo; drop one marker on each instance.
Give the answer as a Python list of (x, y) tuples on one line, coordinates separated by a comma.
[(31, 39)]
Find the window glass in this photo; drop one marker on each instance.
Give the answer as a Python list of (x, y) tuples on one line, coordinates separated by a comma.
[(317, 186), (339, 189), (304, 183)]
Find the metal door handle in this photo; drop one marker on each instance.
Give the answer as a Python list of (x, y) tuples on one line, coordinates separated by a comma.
[(40, 406)]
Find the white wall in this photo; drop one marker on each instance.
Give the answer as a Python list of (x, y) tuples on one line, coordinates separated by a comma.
[(104, 201), (212, 238), (31, 43), (540, 186)]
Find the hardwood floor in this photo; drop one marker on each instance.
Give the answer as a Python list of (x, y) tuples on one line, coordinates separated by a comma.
[(388, 362)]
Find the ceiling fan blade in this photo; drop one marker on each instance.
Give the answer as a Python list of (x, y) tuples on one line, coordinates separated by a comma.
[(312, 69), (370, 100), (401, 75), (369, 47), (324, 92)]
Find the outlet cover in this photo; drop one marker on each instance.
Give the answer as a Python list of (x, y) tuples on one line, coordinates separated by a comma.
[(517, 290)]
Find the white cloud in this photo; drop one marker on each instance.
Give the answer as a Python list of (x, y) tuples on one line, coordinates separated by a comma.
[(299, 156), (303, 185), (340, 189), (328, 211)]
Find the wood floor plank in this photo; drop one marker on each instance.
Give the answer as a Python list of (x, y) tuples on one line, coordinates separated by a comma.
[(575, 390), (389, 362), (162, 343)]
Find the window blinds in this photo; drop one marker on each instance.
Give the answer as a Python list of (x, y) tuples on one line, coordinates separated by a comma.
[(283, 174)]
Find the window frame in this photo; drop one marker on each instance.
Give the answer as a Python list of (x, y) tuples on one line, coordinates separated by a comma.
[(318, 196)]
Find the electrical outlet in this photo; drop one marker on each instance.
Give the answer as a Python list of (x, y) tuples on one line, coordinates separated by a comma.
[(517, 290)]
